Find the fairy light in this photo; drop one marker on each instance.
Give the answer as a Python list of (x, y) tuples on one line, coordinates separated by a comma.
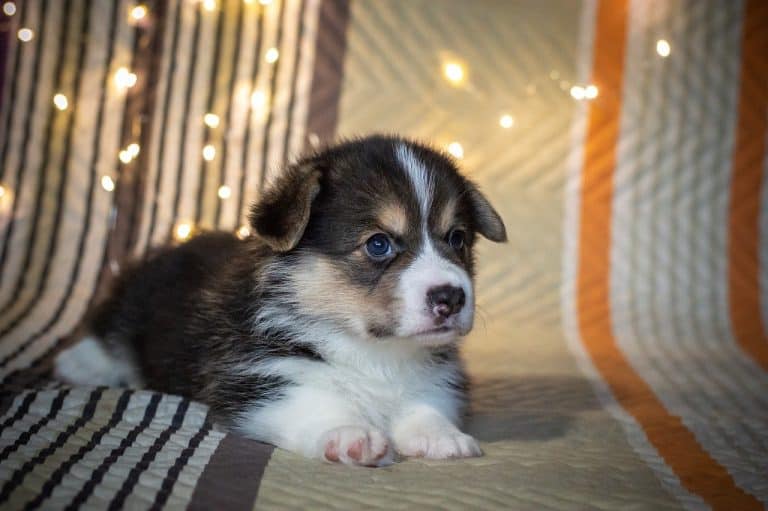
[(454, 73), (590, 92), (60, 101), (209, 152), (9, 8), (258, 99), (133, 149), (139, 12), (456, 150), (243, 232), (272, 55), (124, 78), (211, 120), (107, 183), (225, 192), (506, 121), (25, 35), (182, 231), (2, 191), (209, 5), (125, 156), (578, 92), (663, 48)]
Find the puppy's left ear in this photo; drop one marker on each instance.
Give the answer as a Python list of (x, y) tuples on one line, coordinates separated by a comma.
[(488, 221), (282, 213)]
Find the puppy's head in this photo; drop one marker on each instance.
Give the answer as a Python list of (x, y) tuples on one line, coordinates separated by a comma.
[(376, 236)]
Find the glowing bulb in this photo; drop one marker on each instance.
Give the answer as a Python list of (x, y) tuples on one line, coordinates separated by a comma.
[(2, 190), (211, 120), (225, 192), (456, 150), (25, 35), (139, 12), (590, 92), (125, 156), (258, 99), (578, 92), (506, 121), (124, 78), (209, 5), (271, 55), (243, 232), (107, 183), (663, 48), (60, 101), (453, 72), (133, 149), (9, 8), (209, 152), (183, 230)]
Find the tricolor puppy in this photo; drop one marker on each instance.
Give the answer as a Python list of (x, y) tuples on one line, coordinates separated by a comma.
[(333, 330)]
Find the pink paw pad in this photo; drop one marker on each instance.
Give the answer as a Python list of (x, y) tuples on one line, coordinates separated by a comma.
[(357, 446)]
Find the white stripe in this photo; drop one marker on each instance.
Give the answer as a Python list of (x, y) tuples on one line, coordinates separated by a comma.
[(236, 130), (259, 116), (174, 127), (142, 239), (304, 80), (283, 86), (192, 166), (420, 179)]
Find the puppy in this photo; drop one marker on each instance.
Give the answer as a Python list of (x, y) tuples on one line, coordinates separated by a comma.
[(333, 330)]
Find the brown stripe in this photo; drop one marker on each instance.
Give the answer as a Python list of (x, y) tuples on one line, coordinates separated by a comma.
[(746, 184), (328, 71), (140, 104), (232, 477), (697, 470)]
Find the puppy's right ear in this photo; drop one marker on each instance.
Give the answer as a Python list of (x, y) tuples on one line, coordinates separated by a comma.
[(282, 213)]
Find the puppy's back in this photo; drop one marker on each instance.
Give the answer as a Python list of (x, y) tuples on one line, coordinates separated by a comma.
[(150, 319)]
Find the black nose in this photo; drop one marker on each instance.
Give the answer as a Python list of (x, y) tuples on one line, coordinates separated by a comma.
[(445, 300)]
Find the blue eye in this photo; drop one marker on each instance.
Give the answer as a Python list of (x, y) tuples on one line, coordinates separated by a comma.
[(378, 246), (456, 239)]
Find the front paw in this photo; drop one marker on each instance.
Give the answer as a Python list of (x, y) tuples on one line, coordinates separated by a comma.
[(356, 445), (438, 445)]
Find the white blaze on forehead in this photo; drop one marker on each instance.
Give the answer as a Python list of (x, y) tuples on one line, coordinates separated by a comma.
[(419, 177), (429, 269)]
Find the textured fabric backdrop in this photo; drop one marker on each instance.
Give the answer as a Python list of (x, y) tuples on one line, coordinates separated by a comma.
[(621, 356)]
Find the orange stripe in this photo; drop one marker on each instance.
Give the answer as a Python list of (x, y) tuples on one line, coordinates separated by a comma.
[(696, 469), (746, 183)]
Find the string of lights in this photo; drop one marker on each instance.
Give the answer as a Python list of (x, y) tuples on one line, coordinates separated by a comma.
[(455, 72)]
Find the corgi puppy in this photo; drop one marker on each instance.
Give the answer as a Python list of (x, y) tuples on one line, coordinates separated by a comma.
[(333, 330)]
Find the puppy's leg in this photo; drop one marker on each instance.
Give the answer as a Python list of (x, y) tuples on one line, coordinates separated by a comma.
[(318, 423), (90, 362), (423, 431)]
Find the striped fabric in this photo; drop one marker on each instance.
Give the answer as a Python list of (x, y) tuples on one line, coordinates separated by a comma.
[(621, 353)]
